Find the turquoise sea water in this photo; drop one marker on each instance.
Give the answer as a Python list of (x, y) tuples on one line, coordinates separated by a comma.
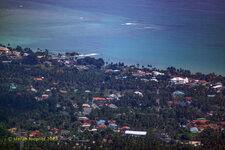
[(186, 34)]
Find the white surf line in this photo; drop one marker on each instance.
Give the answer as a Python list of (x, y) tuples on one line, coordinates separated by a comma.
[(83, 55), (129, 24), (92, 54)]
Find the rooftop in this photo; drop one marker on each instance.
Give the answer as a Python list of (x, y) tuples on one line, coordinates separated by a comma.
[(131, 132)]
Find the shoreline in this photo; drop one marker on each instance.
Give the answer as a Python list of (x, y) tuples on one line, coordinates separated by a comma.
[(130, 61), (126, 61)]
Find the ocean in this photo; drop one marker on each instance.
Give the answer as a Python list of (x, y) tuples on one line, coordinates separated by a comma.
[(184, 34)]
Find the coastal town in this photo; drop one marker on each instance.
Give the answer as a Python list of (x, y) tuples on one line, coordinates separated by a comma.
[(85, 102)]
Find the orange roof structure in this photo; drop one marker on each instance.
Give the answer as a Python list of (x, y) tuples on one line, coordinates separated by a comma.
[(201, 121), (62, 91), (99, 98), (4, 49), (125, 127), (102, 126), (38, 79), (148, 73), (202, 127), (34, 133)]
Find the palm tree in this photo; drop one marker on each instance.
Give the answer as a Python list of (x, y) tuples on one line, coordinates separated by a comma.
[(138, 65), (46, 52)]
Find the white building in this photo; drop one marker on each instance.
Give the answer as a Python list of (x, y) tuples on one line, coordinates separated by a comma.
[(113, 106), (138, 93), (137, 133), (33, 90), (86, 105), (154, 79), (179, 80), (156, 73), (219, 86)]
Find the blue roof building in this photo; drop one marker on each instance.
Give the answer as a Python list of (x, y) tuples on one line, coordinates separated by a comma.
[(194, 130), (182, 103), (178, 93), (100, 122), (211, 95)]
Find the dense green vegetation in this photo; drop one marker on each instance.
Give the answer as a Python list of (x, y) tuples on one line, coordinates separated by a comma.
[(19, 108)]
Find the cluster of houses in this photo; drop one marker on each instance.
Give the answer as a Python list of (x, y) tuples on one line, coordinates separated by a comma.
[(185, 80), (95, 125), (83, 123), (180, 80), (11, 55), (200, 124), (96, 103), (179, 99), (16, 55), (99, 101), (153, 74), (64, 135)]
